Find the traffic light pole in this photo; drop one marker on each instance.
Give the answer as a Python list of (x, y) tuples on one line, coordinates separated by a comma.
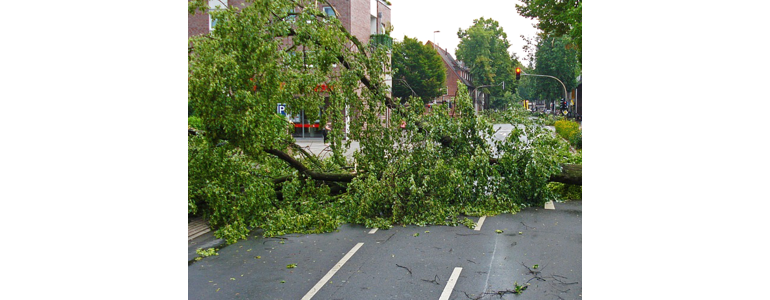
[(549, 76)]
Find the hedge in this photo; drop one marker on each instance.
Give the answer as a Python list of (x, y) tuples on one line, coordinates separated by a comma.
[(570, 131)]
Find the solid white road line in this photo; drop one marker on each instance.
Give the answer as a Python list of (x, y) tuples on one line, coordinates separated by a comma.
[(331, 272), (450, 284), (481, 222), (549, 205), (373, 231)]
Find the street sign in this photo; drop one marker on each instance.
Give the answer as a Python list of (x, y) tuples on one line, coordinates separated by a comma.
[(282, 109)]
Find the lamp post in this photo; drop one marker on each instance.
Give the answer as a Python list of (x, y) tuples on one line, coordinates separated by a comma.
[(475, 93)]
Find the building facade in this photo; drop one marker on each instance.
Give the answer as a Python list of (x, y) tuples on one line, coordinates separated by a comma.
[(456, 71)]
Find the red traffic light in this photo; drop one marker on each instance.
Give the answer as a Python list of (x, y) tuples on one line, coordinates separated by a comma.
[(518, 73)]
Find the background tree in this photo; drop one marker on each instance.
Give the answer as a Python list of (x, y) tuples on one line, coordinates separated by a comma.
[(554, 58), (483, 48), (557, 18), (418, 68)]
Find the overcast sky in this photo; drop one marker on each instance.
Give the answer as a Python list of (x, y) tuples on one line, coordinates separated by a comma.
[(419, 18)]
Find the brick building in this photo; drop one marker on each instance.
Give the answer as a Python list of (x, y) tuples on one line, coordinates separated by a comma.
[(355, 15), (457, 71)]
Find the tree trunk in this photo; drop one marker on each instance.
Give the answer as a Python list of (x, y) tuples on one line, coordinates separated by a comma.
[(570, 174)]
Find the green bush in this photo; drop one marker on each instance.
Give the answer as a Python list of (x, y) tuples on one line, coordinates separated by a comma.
[(577, 140), (570, 131)]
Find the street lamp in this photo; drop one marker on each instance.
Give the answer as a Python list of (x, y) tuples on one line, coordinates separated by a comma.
[(476, 89), (549, 76)]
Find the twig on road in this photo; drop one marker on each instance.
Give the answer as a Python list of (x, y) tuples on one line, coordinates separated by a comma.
[(435, 280), (407, 269)]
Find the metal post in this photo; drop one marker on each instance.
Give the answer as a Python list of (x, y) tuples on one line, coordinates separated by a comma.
[(557, 79)]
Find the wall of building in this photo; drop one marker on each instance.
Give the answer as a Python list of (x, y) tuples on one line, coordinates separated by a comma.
[(359, 20), (197, 24), (344, 10), (385, 10)]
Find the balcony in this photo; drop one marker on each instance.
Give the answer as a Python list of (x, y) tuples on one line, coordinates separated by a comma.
[(376, 40)]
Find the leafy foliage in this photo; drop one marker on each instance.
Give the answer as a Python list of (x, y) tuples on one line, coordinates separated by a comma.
[(553, 58), (566, 191), (228, 188), (570, 131), (419, 70), (206, 252), (194, 122), (577, 140), (556, 18)]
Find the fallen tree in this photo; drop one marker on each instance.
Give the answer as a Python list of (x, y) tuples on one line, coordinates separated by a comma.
[(245, 171)]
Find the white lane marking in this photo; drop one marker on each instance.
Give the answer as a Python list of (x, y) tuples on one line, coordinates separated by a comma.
[(331, 272), (489, 270), (450, 284), (481, 222), (373, 231), (549, 205)]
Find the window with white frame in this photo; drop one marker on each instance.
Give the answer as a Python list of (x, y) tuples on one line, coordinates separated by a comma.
[(215, 5), (329, 11)]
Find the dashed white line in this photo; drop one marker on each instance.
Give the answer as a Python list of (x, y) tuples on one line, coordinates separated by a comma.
[(450, 284), (373, 231), (331, 272), (481, 222), (549, 205)]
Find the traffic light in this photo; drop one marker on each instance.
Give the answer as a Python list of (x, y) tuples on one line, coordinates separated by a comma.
[(518, 73), (563, 104)]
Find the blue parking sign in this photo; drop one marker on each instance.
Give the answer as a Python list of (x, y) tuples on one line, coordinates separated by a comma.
[(282, 109)]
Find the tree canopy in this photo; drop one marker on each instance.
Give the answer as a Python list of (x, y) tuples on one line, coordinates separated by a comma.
[(419, 70), (245, 170), (552, 57), (483, 48), (556, 18)]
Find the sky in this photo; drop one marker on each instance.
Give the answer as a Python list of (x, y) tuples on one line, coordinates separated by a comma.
[(420, 18)]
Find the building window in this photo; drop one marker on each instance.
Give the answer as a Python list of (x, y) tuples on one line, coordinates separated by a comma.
[(329, 11), (291, 17), (215, 5)]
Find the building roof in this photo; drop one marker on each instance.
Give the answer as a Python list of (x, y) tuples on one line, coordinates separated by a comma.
[(450, 61)]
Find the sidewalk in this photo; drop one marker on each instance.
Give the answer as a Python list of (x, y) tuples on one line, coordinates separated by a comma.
[(197, 238)]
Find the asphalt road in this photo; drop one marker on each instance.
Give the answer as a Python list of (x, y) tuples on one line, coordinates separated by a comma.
[(406, 262)]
